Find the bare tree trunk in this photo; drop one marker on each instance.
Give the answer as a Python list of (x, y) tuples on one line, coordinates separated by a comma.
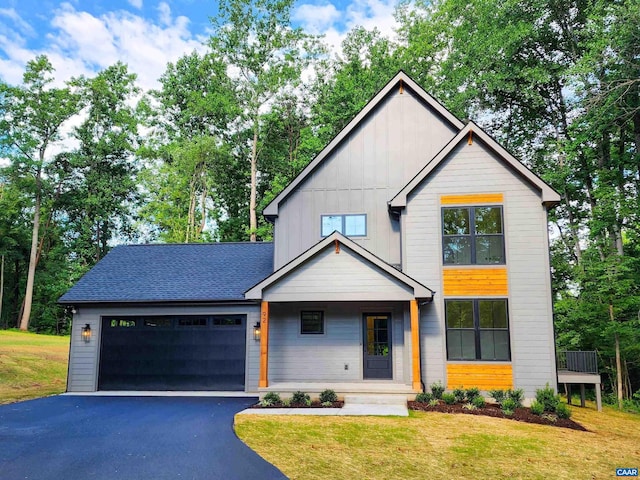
[(253, 218), (618, 365), (31, 274), (1, 284)]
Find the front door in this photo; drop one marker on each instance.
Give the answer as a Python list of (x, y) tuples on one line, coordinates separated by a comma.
[(377, 345)]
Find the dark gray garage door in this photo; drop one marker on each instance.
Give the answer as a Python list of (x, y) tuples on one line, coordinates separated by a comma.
[(186, 352)]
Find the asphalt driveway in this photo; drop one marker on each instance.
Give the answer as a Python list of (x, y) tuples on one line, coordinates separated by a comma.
[(137, 438)]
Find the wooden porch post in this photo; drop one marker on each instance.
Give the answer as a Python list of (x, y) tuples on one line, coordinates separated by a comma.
[(415, 345), (264, 345)]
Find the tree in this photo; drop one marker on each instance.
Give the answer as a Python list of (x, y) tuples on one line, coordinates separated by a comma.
[(32, 119)]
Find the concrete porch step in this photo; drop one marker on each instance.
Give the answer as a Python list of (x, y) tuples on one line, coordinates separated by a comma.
[(380, 399)]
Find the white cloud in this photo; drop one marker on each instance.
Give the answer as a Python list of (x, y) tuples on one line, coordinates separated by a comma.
[(17, 20), (165, 13), (135, 3), (316, 18)]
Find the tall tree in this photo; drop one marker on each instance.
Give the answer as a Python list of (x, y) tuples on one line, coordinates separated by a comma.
[(32, 117)]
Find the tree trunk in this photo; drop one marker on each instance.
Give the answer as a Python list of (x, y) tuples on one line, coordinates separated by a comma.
[(1, 284), (618, 367), (253, 218), (31, 274)]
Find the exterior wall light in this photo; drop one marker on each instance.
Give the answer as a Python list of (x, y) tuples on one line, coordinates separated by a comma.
[(256, 332), (86, 333)]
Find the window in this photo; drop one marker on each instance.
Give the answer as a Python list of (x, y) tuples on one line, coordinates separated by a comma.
[(472, 235), (349, 225), (227, 321), (477, 330), (157, 322), (121, 323), (311, 323), (192, 321)]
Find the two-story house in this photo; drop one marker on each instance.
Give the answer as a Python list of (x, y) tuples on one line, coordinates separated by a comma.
[(412, 249)]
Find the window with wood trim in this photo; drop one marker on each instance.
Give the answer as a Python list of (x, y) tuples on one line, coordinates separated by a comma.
[(472, 235), (351, 225), (312, 323), (477, 329)]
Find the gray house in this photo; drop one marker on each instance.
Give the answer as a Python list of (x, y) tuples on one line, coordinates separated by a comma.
[(412, 249)]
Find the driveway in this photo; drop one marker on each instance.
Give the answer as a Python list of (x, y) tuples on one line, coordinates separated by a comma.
[(133, 438)]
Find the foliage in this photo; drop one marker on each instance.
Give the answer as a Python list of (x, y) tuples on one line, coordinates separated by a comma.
[(437, 389), (459, 393), (547, 398), (424, 397), (563, 410), (516, 395), (537, 407), (471, 393), (449, 398), (328, 396), (469, 406), (272, 398), (508, 406), (498, 395), (479, 401), (300, 398)]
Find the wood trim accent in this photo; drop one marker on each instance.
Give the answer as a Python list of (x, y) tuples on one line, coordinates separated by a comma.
[(264, 345), (485, 376), (471, 199), (475, 281), (415, 345)]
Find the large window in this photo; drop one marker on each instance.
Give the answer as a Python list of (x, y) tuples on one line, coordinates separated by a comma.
[(311, 323), (477, 329), (472, 235), (349, 225)]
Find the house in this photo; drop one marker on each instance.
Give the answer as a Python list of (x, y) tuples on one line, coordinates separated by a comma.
[(412, 249)]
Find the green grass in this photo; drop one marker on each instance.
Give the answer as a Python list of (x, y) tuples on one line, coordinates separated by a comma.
[(32, 365), (435, 445)]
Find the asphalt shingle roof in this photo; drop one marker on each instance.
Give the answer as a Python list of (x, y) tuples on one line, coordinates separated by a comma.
[(174, 272)]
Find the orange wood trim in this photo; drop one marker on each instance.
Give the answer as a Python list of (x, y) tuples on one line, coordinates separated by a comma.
[(475, 281), (415, 344), (264, 345), (485, 376), (470, 139), (337, 245), (471, 199)]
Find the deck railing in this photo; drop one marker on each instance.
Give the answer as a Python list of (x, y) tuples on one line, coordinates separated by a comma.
[(578, 361)]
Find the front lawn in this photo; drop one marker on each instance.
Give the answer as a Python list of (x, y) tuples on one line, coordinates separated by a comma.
[(438, 445), (32, 365)]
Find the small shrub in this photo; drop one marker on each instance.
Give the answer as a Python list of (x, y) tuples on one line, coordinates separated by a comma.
[(328, 396), (459, 394), (563, 410), (449, 398), (508, 406), (471, 393), (507, 411), (424, 397), (265, 403), (550, 417), (327, 404), (479, 401), (307, 401), (469, 406), (300, 398), (434, 402), (497, 395), (537, 408), (548, 398), (271, 398), (437, 389), (516, 395), (286, 402)]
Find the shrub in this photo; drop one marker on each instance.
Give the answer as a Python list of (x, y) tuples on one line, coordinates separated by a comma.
[(271, 398), (516, 395), (437, 389), (508, 406), (469, 406), (563, 410), (537, 408), (548, 398), (327, 404), (300, 398), (307, 401), (328, 396), (479, 401), (459, 394), (550, 417), (449, 398), (497, 395), (286, 402), (471, 393), (424, 397), (434, 402)]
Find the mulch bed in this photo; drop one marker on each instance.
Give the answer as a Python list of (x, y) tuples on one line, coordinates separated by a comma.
[(492, 410), (315, 404)]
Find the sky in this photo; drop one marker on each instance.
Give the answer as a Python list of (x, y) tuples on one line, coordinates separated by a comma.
[(81, 37)]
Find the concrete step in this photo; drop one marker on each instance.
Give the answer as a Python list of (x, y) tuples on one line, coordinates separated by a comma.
[(379, 399)]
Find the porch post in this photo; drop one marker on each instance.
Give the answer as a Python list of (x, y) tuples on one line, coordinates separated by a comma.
[(415, 345), (264, 345)]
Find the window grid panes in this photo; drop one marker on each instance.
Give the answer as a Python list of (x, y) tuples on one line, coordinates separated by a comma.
[(477, 330), (311, 323), (351, 225), (472, 235)]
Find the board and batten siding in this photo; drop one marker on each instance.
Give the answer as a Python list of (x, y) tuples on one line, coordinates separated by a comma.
[(372, 163), (84, 357), (474, 169), (294, 357), (331, 276)]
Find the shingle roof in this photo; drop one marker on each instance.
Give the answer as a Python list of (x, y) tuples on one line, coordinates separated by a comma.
[(175, 272)]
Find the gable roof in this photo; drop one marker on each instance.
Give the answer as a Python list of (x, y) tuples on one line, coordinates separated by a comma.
[(174, 273), (419, 290), (401, 78), (548, 194)]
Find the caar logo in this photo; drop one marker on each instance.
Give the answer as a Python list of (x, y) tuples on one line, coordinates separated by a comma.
[(626, 472)]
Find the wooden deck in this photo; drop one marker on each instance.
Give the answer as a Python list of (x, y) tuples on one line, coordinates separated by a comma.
[(568, 377)]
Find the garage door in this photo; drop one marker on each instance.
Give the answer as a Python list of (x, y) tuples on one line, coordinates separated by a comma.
[(185, 352)]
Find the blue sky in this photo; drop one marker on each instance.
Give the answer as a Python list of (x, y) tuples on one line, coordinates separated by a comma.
[(82, 36)]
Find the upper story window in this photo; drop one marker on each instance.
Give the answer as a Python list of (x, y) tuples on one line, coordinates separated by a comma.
[(351, 225), (472, 235)]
